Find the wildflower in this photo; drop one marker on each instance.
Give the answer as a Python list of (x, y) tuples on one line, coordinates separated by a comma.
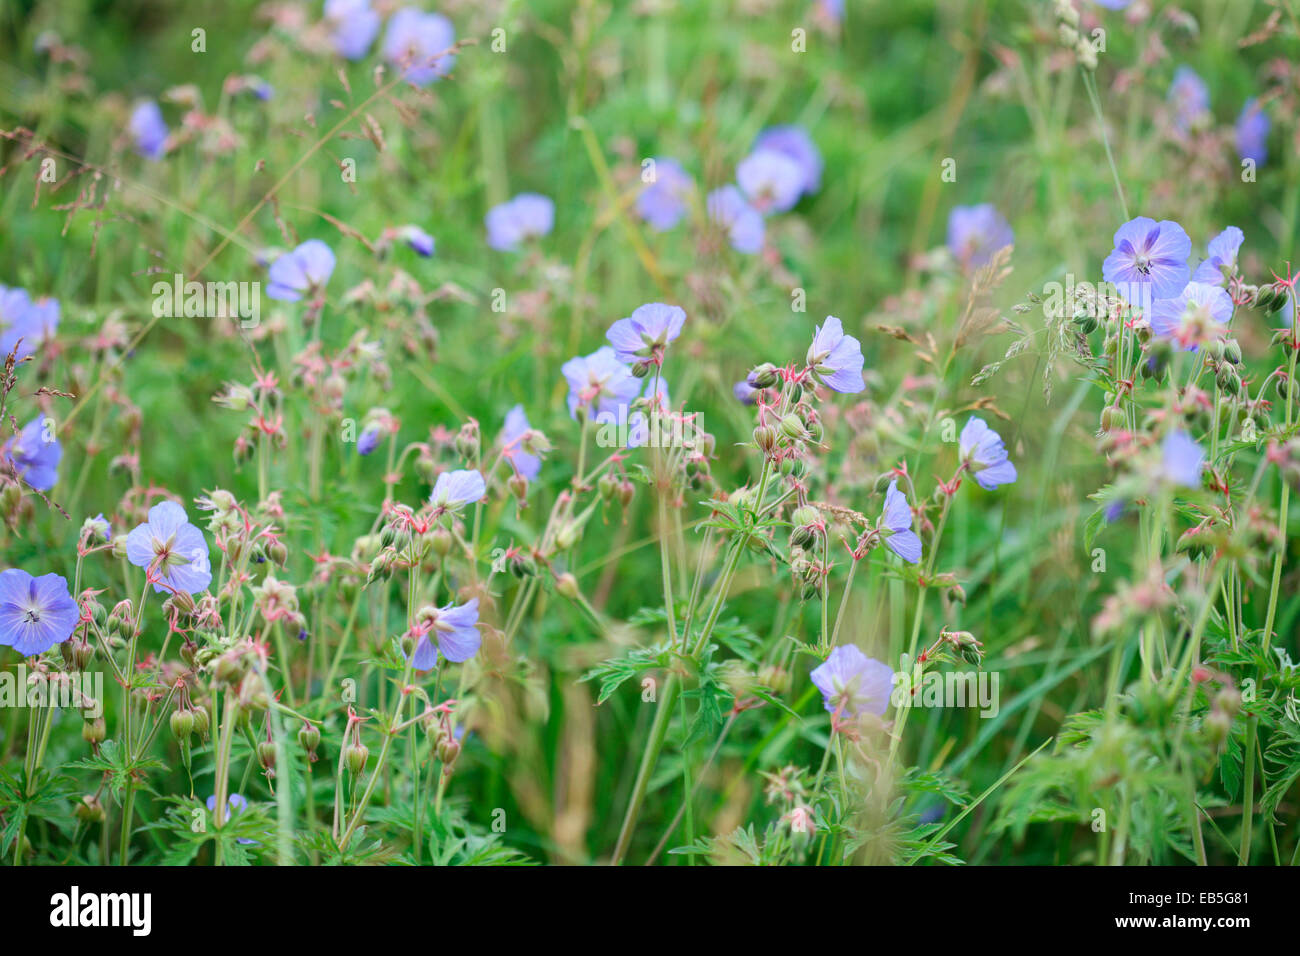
[(148, 131), (1149, 259), (1252, 132), (1181, 459), (34, 453), (418, 239), (646, 333), (976, 232), (455, 489), (897, 519), (527, 216), (516, 440), (354, 26), (772, 181), (794, 142), (1191, 317), (238, 803), (35, 613), (1222, 251), (172, 548), (836, 358), (744, 224), (368, 440), (301, 272), (454, 627), (418, 42), (663, 202), (1190, 98), (745, 393), (981, 449), (17, 322), (599, 381), (97, 528), (852, 683)]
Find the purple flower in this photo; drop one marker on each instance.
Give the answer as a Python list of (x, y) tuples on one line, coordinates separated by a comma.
[(897, 519), (836, 358), (982, 450), (301, 272), (148, 131), (1190, 317), (772, 181), (237, 803), (976, 232), (455, 628), (646, 332), (172, 548), (35, 452), (418, 239), (355, 26), (35, 613), (513, 438), (418, 42), (663, 202), (744, 223), (853, 683), (599, 381), (1149, 260), (1181, 459), (527, 216), (1113, 4), (795, 143), (745, 393), (1252, 132), (19, 322), (99, 528), (1189, 96), (455, 489), (1223, 252), (368, 441)]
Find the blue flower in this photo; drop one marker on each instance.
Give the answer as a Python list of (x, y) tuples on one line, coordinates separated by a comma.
[(419, 240), (148, 131), (35, 613), (646, 332), (599, 382), (34, 453), (238, 804), (1181, 459), (852, 683), (1252, 132), (24, 323), (743, 223), (1191, 317), (1149, 260), (836, 358), (301, 272), (1190, 98), (896, 518), (174, 550), (418, 42), (515, 438), (368, 441), (455, 628), (527, 216), (976, 232), (1222, 250), (354, 26), (455, 489), (745, 393), (981, 448), (662, 203), (795, 143), (772, 181)]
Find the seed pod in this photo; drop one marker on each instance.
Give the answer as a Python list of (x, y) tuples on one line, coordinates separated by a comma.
[(448, 750), (309, 739), (94, 731), (266, 754)]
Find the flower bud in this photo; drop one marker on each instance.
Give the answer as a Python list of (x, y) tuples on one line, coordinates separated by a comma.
[(89, 809), (448, 750), (355, 756), (309, 740), (182, 722), (266, 754), (765, 439), (567, 585), (764, 376), (94, 731), (792, 426)]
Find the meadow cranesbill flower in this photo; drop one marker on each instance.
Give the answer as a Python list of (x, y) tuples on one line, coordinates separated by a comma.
[(662, 203), (1222, 251), (599, 381), (772, 181), (1191, 317), (354, 26), (1252, 132), (836, 358), (301, 272), (646, 332), (981, 449), (515, 438), (98, 528), (18, 325), (418, 42), (1181, 459), (148, 131), (35, 613), (896, 519), (237, 803), (368, 440), (454, 628), (527, 216), (744, 224), (976, 232), (853, 683), (35, 454), (794, 142), (455, 489), (1149, 260), (745, 393), (172, 549), (1190, 98)]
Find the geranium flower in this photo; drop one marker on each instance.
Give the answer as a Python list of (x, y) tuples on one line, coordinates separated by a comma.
[(303, 271), (174, 550), (981, 448), (836, 358), (35, 613), (853, 683)]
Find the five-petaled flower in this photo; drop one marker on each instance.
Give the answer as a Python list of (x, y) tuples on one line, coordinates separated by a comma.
[(982, 451), (35, 613), (303, 271), (646, 332), (853, 683), (836, 358), (896, 526), (173, 551), (1149, 260), (455, 630), (455, 489)]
